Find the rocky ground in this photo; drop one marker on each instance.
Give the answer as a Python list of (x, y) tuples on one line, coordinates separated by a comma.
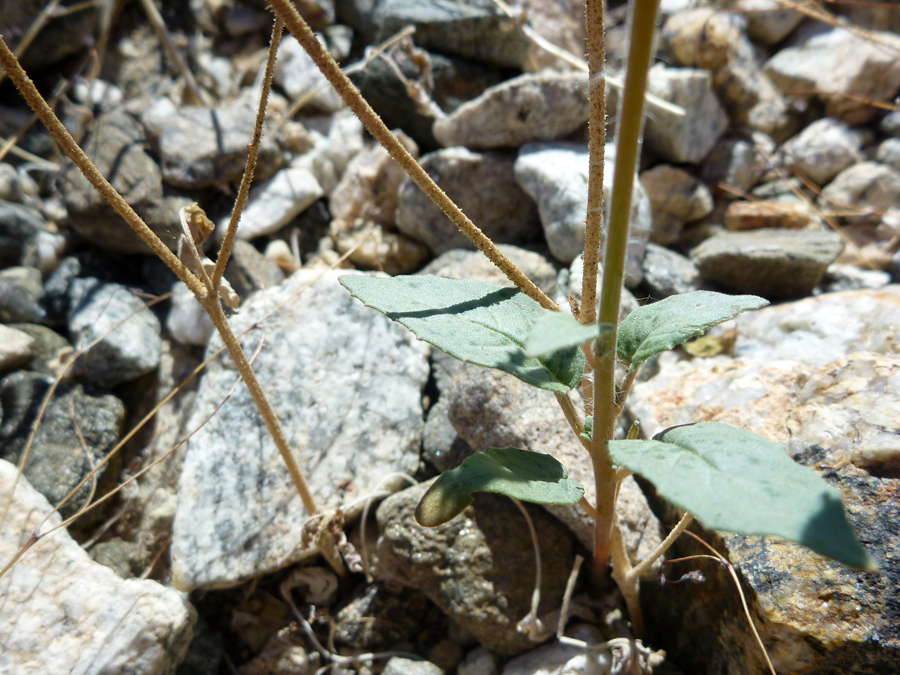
[(781, 178)]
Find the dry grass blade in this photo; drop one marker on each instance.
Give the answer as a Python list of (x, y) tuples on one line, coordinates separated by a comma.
[(159, 27), (737, 582)]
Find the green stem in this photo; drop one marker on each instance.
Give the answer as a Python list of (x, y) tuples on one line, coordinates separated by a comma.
[(630, 123)]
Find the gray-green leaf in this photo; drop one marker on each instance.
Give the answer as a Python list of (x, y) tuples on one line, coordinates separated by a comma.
[(481, 323), (656, 328), (732, 479), (557, 330), (522, 474)]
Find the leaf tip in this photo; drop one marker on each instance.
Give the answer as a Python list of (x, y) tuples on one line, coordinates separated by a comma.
[(442, 502)]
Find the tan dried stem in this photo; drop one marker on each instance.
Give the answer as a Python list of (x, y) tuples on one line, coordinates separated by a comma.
[(596, 39), (375, 126), (252, 156), (46, 14), (159, 27), (209, 303), (24, 84)]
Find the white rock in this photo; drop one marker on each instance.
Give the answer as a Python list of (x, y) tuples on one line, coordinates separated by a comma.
[(337, 140), (532, 107), (822, 150), (864, 191), (346, 384), (845, 69), (479, 661), (187, 322), (122, 333), (841, 277), (97, 93), (63, 613), (15, 348), (556, 176), (571, 282), (889, 153), (687, 138), (49, 248), (769, 21), (805, 332), (559, 659), (275, 202), (296, 73)]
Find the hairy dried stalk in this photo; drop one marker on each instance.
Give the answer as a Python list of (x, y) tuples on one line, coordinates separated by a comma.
[(375, 126), (159, 27), (252, 156), (210, 303), (596, 39)]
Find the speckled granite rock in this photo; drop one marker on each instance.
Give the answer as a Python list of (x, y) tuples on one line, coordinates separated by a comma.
[(689, 137), (555, 175), (668, 273), (490, 408), (56, 462), (201, 147), (463, 264), (531, 107), (834, 409), (822, 150), (863, 192), (841, 67), (478, 568), (484, 188), (346, 384), (121, 333), (63, 613), (480, 33)]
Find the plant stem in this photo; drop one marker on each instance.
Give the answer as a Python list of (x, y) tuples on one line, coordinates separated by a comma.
[(620, 569), (375, 126), (634, 574), (214, 308), (209, 301), (596, 39), (630, 123), (24, 84), (252, 155)]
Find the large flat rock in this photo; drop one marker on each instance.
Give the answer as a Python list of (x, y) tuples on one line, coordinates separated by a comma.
[(346, 384), (61, 612), (822, 378)]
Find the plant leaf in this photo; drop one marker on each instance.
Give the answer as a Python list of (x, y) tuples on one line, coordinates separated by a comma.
[(522, 474), (473, 321), (557, 330), (588, 432), (656, 328), (732, 479)]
